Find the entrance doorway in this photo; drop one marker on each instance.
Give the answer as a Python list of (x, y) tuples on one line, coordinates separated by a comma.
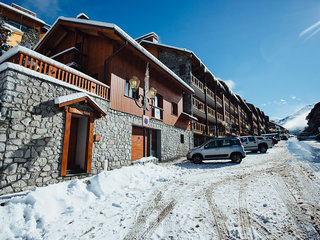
[(152, 143), (76, 162)]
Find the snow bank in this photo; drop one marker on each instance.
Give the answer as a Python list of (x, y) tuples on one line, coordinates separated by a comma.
[(29, 216)]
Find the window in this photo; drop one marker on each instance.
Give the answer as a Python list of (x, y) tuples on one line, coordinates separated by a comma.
[(127, 90), (243, 140), (157, 111), (181, 138), (212, 144), (174, 109), (251, 139)]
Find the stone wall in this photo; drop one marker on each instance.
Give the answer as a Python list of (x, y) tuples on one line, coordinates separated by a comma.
[(32, 130), (181, 66)]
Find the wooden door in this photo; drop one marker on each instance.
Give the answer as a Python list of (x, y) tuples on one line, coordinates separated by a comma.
[(137, 143)]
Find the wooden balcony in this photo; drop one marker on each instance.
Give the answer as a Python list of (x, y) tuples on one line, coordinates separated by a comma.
[(210, 93), (219, 101), (198, 104), (219, 116), (211, 112), (60, 72), (197, 82), (199, 128)]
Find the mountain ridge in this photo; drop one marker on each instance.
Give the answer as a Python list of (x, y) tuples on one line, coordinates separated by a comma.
[(296, 122)]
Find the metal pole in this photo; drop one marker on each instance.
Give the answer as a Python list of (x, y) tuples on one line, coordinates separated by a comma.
[(144, 128)]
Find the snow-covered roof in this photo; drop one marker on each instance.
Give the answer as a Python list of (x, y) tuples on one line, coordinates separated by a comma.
[(191, 53), (11, 28), (190, 116), (146, 36), (23, 13), (30, 52), (124, 35), (74, 96)]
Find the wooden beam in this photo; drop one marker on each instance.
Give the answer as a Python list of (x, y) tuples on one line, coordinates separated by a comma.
[(90, 144), (65, 149)]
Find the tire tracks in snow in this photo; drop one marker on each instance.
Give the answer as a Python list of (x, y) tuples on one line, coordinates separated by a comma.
[(282, 183), (151, 217)]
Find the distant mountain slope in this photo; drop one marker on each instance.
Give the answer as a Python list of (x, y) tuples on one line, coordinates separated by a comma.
[(297, 121)]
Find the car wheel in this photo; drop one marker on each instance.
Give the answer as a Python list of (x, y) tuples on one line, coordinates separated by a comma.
[(263, 149), (197, 159), (236, 158)]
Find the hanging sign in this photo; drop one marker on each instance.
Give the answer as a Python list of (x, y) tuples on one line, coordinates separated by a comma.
[(145, 121)]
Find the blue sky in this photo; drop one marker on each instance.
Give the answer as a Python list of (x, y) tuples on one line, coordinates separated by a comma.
[(267, 50)]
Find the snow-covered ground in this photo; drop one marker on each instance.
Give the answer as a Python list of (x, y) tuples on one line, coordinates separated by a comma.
[(268, 196)]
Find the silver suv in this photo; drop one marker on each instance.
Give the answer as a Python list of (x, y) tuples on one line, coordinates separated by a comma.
[(219, 148)]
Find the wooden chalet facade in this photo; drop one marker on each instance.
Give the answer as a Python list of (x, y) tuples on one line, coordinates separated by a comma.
[(75, 113)]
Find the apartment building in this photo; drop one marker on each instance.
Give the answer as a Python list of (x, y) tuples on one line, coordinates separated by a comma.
[(219, 111)]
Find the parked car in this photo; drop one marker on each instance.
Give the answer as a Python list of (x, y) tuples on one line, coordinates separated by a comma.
[(276, 136), (256, 143), (305, 136), (219, 148), (283, 137)]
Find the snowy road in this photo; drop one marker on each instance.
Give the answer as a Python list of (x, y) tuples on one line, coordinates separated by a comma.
[(268, 196)]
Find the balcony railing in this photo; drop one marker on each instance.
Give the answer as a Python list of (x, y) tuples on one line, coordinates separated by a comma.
[(211, 112), (198, 104), (219, 116), (59, 72), (199, 128), (210, 93), (197, 82), (219, 100)]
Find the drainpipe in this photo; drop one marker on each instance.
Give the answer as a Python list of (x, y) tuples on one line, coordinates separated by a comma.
[(111, 56)]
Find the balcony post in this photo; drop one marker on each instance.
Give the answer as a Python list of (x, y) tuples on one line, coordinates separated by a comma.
[(206, 107)]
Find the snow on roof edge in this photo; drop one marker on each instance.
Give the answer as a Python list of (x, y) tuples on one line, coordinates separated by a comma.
[(188, 51), (24, 13), (125, 36), (74, 96)]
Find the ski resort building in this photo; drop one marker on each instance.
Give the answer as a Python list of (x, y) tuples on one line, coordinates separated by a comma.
[(68, 110)]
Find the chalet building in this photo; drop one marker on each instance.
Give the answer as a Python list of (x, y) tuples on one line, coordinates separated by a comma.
[(68, 110), (18, 21), (219, 111)]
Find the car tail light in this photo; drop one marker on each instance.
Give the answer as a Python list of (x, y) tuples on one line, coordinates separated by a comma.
[(239, 142)]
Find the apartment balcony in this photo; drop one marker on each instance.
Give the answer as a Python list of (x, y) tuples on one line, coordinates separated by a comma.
[(220, 117), (198, 87), (199, 110), (46, 66), (219, 102), (199, 128)]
